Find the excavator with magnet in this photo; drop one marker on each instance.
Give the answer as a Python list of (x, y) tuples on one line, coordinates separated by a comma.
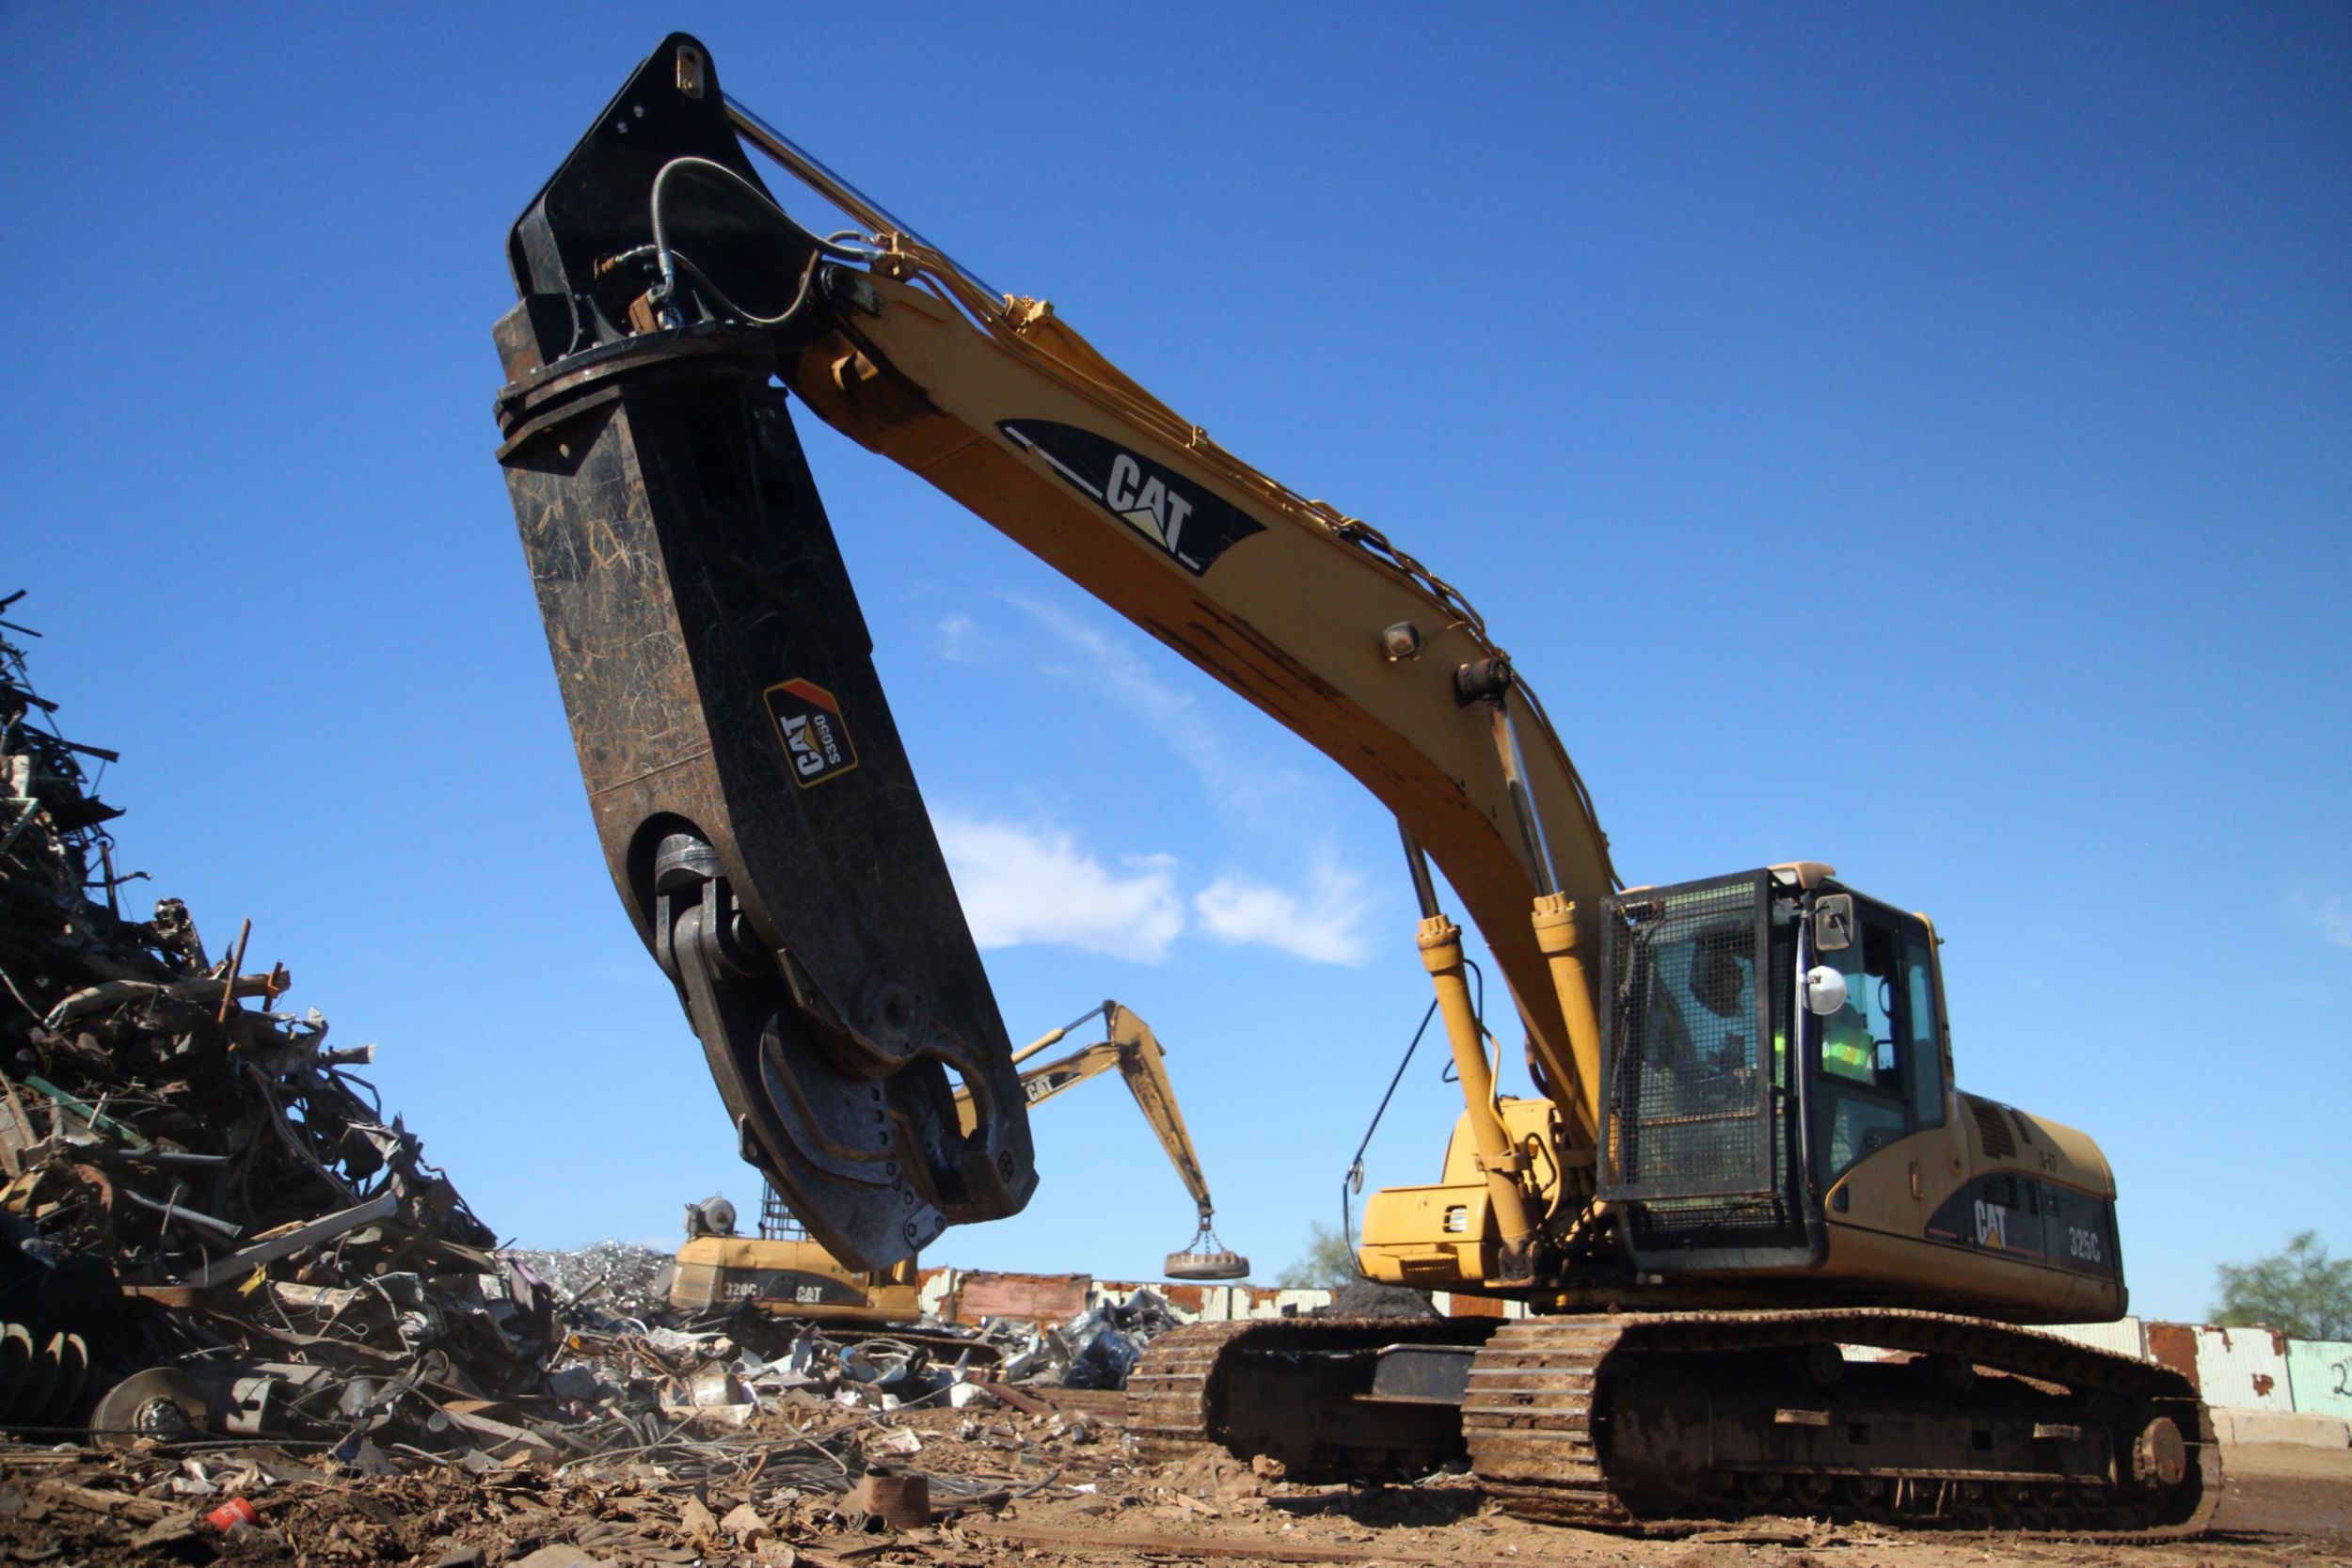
[(781, 1270), (1760, 1249)]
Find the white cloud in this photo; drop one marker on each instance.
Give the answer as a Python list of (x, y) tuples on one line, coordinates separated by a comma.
[(1034, 884), (1116, 672), (1322, 921), (959, 640), (2330, 917)]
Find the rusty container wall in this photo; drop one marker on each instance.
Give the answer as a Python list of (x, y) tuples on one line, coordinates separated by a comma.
[(1188, 1302), (1037, 1298), (2245, 1369), (1215, 1304), (2319, 1374), (2174, 1345)]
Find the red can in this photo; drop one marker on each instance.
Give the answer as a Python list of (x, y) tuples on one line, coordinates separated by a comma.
[(232, 1515)]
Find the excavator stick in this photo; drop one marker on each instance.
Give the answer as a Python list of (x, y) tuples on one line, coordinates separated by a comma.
[(760, 817), (1136, 1053)]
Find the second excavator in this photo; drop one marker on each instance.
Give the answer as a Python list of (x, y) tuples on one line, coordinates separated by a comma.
[(781, 1270), (1768, 1253)]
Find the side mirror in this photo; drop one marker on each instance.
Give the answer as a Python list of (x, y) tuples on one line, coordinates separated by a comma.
[(1825, 990), (1833, 922)]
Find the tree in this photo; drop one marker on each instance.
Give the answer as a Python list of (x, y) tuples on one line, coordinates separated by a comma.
[(1330, 1263), (2302, 1291)]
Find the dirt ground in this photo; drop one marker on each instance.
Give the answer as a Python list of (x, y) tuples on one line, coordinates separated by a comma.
[(1081, 1494)]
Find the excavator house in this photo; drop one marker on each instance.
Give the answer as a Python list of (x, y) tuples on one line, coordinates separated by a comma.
[(1765, 1253)]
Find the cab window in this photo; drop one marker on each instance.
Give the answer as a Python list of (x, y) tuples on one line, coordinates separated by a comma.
[(1861, 1105), (1858, 1039), (1882, 1062), (1923, 1033)]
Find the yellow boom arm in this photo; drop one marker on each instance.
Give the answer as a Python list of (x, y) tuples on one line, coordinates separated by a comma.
[(1135, 1052), (1312, 615)]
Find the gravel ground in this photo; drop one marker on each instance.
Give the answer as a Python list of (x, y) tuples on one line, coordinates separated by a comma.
[(1089, 1500)]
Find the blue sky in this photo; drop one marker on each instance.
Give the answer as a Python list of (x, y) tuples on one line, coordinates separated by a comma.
[(1914, 438)]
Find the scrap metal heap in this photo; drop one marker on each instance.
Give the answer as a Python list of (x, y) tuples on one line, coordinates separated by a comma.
[(196, 1188), (617, 1279), (209, 1227)]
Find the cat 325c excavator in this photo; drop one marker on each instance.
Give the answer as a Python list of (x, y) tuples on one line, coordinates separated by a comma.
[(1746, 1149)]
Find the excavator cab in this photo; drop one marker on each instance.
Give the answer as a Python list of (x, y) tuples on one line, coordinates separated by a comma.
[(1702, 1091), (1880, 1071), (1766, 1034), (1777, 1095)]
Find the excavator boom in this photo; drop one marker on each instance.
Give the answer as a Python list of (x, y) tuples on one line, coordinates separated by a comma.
[(1309, 614)]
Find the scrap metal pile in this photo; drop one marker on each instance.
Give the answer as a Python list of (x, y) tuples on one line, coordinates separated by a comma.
[(211, 1229), (618, 1279), (196, 1188), (1095, 1349)]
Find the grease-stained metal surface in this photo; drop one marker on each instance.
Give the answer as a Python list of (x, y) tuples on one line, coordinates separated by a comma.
[(758, 814)]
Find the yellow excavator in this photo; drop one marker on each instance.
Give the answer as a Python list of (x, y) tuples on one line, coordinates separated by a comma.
[(783, 1271), (1765, 1252)]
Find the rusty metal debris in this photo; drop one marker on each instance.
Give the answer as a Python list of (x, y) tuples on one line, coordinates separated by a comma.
[(192, 1176), (209, 1227), (618, 1278), (1093, 1349), (809, 1484), (228, 1271)]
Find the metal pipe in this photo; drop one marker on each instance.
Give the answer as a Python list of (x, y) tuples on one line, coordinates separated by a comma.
[(1440, 943), (182, 1212), (1558, 939), (155, 1158), (812, 171), (1423, 889), (1522, 802), (1055, 1037)]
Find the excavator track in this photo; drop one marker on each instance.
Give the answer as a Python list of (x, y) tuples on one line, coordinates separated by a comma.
[(1529, 1422), (1293, 1388), (1167, 1392), (1664, 1423), (1671, 1420)]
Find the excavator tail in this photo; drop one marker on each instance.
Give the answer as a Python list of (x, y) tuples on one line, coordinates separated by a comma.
[(759, 816)]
